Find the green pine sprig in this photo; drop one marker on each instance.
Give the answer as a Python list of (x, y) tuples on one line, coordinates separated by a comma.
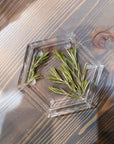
[(69, 74), (36, 63)]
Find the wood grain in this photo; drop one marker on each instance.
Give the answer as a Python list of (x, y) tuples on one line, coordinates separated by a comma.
[(25, 21)]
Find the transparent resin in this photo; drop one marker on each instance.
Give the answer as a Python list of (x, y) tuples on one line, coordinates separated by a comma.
[(39, 95)]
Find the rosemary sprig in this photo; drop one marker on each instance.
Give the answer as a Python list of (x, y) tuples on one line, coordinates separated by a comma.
[(36, 63), (69, 74)]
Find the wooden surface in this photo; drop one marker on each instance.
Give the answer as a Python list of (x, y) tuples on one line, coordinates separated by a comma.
[(24, 21)]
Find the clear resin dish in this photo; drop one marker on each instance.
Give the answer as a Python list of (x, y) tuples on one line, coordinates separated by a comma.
[(38, 93)]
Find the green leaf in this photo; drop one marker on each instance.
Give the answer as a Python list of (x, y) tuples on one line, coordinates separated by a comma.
[(74, 52), (51, 77), (69, 52), (55, 73), (66, 73), (31, 73), (77, 78), (84, 72), (74, 97), (36, 62), (38, 55), (58, 55), (70, 62), (57, 81), (72, 57), (86, 83), (37, 76), (79, 72), (57, 90), (69, 74), (42, 59)]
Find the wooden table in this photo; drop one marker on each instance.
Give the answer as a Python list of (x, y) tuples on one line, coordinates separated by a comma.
[(25, 21)]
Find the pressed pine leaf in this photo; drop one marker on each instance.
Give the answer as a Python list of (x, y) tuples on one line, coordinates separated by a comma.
[(69, 61), (57, 90), (51, 77), (37, 76), (74, 97), (36, 62), (71, 73), (86, 85), (41, 59), (55, 73), (74, 52), (58, 55), (38, 55), (57, 81), (84, 72)]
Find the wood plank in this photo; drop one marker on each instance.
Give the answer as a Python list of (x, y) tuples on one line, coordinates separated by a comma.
[(25, 21)]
